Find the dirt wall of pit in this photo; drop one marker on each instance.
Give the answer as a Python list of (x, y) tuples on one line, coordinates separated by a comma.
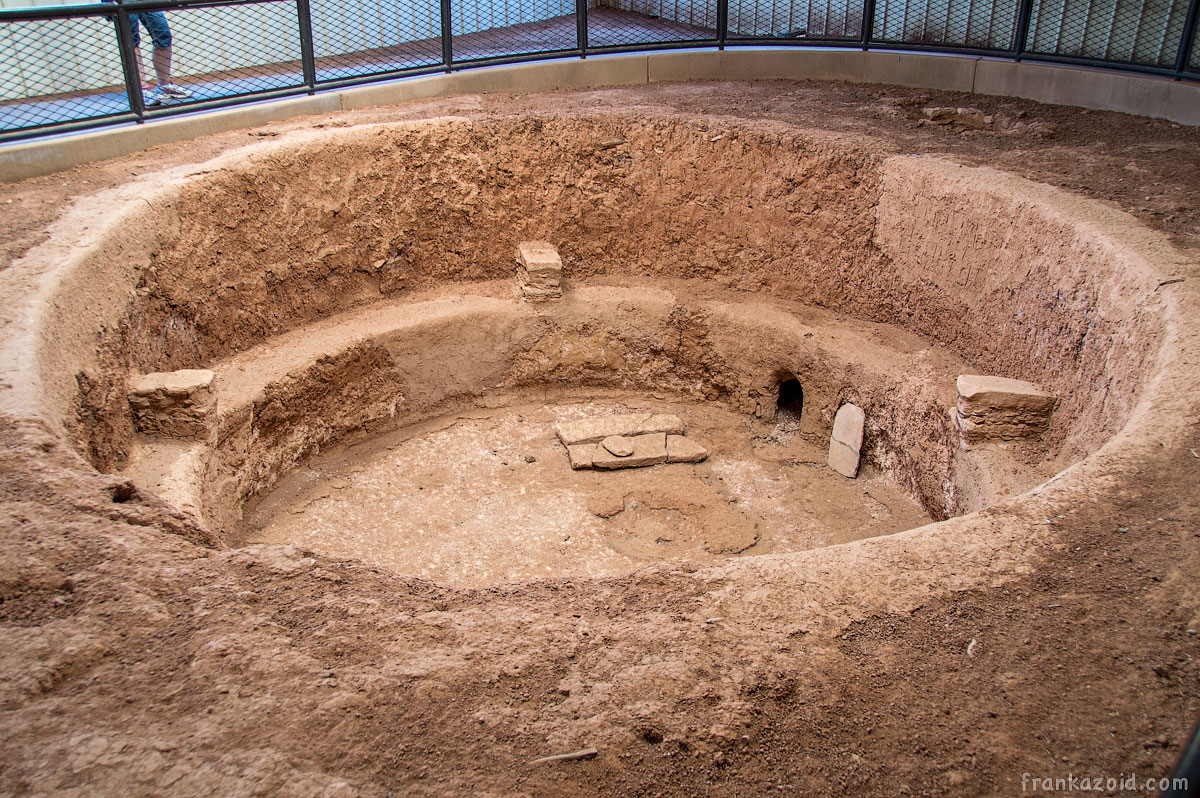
[(299, 232), (394, 365), (1030, 282), (1018, 279)]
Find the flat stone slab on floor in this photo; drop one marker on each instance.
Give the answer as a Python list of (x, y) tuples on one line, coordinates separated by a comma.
[(618, 445), (681, 449), (845, 444), (581, 455), (594, 430), (999, 408), (648, 450)]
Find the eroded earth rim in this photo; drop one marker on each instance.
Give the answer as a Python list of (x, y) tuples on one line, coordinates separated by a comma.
[(724, 669)]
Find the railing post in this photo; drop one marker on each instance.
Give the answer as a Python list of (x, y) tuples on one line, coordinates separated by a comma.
[(1021, 39), (722, 23), (130, 68), (307, 61), (447, 43), (581, 26), (868, 23), (1188, 40)]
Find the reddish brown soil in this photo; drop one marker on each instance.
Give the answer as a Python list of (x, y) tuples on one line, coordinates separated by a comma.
[(1145, 167), (135, 662), (479, 498)]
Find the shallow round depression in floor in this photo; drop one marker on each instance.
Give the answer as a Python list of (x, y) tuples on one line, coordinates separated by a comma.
[(379, 382)]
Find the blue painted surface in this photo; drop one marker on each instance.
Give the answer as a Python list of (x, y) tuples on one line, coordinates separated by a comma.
[(102, 104)]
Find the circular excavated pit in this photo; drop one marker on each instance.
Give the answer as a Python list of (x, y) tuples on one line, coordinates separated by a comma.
[(356, 287), (463, 506), (139, 658), (486, 496)]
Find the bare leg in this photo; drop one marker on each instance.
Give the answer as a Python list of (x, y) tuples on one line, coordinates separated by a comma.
[(162, 65)]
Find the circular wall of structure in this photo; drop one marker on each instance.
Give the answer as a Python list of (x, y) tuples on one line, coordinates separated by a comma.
[(344, 282), (348, 280)]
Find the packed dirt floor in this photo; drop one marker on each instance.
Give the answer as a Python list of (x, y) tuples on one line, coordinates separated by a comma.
[(1053, 637), (483, 498)]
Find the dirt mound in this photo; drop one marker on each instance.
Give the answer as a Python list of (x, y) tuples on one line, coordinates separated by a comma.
[(1048, 635)]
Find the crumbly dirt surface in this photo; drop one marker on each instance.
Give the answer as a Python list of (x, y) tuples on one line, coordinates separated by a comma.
[(135, 661), (488, 497), (1145, 167)]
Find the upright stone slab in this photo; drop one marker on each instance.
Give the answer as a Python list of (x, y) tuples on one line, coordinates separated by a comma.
[(845, 445), (540, 271), (998, 408), (176, 404)]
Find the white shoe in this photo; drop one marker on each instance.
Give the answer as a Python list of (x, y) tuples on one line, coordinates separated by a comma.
[(173, 92)]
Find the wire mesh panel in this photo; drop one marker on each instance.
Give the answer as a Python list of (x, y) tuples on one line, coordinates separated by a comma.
[(64, 65), (224, 51), (979, 24), (353, 38), (796, 19), (497, 28), (1141, 32), (1193, 63), (614, 23), (59, 70)]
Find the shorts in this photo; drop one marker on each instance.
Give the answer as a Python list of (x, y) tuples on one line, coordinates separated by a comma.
[(156, 25)]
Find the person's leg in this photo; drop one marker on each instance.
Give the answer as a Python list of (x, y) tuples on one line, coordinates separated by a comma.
[(136, 35), (162, 65), (160, 34)]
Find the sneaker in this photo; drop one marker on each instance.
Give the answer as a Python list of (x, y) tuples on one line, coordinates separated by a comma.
[(174, 92), (155, 98)]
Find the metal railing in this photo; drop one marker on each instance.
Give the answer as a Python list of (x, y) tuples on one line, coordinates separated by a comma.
[(72, 67)]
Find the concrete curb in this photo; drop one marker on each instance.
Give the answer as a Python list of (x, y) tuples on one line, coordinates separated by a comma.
[(1141, 95)]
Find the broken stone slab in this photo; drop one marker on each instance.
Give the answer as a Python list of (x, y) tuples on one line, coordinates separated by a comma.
[(843, 459), (618, 445), (648, 450), (845, 444), (581, 455), (999, 408), (969, 118), (176, 404), (684, 450), (848, 426), (594, 430), (540, 272), (540, 294), (540, 263)]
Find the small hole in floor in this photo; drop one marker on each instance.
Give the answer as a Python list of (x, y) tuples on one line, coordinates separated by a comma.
[(791, 400), (122, 492)]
